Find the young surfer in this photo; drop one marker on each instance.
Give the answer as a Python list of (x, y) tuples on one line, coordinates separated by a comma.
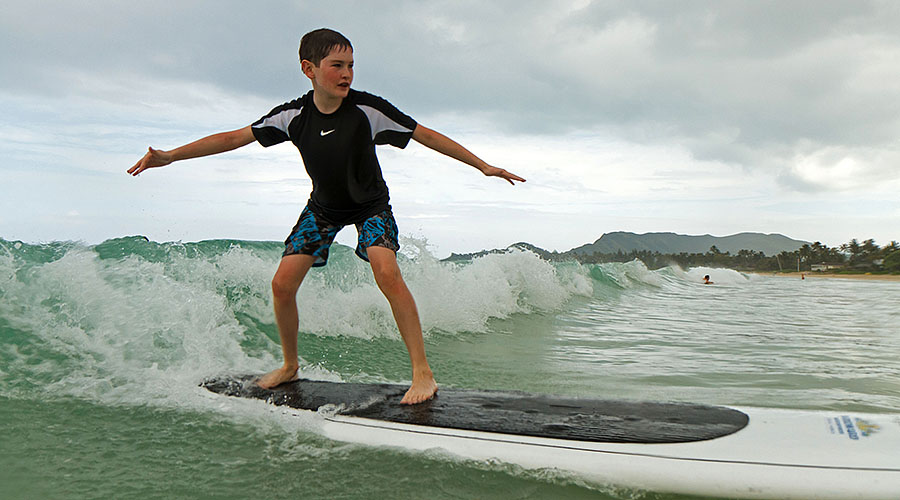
[(336, 128)]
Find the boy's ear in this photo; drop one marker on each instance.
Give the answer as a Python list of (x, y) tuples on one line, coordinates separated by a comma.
[(306, 66)]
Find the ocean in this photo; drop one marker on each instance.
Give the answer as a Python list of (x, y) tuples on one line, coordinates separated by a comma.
[(102, 348)]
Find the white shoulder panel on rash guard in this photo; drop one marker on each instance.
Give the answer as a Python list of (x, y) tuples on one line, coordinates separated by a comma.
[(280, 120), (380, 121)]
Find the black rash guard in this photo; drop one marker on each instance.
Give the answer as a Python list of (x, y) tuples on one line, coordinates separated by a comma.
[(338, 150)]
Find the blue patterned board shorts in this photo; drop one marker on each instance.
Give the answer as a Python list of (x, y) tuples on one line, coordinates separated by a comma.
[(313, 236)]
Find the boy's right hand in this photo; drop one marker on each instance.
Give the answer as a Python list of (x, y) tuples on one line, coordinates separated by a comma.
[(154, 158)]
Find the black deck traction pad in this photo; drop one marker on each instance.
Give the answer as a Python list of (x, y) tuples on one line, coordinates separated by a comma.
[(505, 412)]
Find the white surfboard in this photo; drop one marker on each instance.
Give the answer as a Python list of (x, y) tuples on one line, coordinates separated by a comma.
[(680, 448)]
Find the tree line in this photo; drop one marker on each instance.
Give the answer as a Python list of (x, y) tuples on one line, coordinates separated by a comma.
[(853, 256)]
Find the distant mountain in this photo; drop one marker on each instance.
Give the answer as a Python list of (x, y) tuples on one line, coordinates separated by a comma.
[(664, 243), (671, 243)]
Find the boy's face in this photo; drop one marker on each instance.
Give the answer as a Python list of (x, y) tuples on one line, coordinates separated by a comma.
[(333, 75)]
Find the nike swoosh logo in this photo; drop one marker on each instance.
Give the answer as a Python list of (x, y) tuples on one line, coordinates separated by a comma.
[(324, 133)]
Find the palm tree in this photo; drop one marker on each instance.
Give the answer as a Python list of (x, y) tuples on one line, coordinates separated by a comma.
[(806, 254), (893, 246), (869, 249), (853, 248)]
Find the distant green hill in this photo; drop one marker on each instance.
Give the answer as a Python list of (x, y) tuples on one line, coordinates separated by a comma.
[(664, 243), (671, 243)]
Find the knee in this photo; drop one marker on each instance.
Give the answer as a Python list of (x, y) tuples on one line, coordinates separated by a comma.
[(283, 288), (389, 280)]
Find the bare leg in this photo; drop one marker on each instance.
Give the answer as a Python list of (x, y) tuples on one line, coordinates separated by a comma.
[(290, 274), (403, 306)]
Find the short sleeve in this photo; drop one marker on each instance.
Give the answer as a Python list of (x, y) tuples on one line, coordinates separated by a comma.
[(272, 128), (389, 125)]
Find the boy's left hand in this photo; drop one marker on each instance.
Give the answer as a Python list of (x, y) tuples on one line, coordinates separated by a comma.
[(501, 173)]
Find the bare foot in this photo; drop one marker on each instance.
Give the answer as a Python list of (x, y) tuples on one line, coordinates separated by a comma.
[(422, 389), (277, 377)]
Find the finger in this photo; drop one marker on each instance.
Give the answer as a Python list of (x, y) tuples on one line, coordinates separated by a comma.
[(136, 165), (515, 177), (134, 169), (505, 178), (140, 167), (509, 176)]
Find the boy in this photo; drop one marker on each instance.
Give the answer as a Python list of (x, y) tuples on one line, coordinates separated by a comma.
[(336, 130)]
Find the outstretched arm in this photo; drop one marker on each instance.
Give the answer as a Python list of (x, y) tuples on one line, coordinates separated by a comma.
[(210, 145), (443, 144)]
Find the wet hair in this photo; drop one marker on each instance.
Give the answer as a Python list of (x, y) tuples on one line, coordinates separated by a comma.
[(317, 44)]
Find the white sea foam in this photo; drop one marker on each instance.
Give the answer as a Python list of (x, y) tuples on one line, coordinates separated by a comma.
[(451, 297), (120, 331), (144, 326)]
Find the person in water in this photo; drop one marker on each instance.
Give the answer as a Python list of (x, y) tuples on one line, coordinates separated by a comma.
[(706, 280), (336, 128)]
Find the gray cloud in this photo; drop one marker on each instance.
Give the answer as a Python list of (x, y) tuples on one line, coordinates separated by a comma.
[(759, 84)]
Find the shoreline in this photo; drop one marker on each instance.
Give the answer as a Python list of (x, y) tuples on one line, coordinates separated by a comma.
[(819, 275)]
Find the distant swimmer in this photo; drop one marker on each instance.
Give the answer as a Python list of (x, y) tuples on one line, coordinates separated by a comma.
[(706, 280)]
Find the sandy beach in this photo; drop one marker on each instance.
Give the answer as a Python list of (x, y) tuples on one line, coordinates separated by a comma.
[(817, 275)]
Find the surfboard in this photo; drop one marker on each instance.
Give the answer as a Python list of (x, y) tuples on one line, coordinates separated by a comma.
[(667, 447)]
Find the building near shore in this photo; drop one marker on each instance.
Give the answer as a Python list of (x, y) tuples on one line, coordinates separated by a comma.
[(824, 267)]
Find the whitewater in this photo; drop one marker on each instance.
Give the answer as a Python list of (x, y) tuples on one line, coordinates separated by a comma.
[(102, 348)]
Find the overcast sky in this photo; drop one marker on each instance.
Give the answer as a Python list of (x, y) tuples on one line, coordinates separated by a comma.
[(691, 117)]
